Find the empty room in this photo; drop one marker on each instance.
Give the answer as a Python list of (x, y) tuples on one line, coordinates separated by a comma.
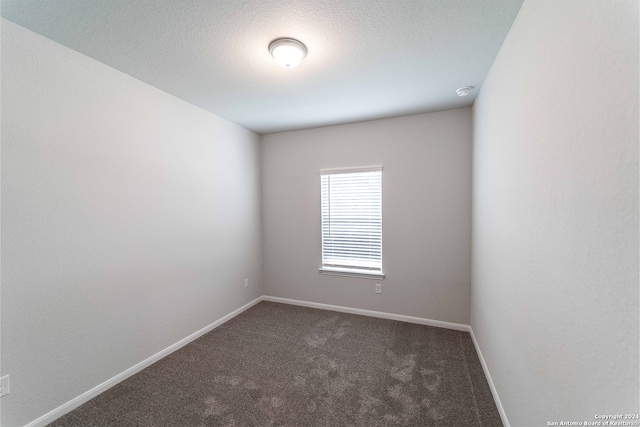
[(319, 213)]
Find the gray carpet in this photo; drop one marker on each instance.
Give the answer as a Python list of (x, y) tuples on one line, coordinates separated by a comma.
[(283, 365)]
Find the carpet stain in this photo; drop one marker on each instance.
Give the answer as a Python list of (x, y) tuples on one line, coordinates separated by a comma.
[(325, 378), (430, 379), (410, 408), (426, 402), (276, 402), (299, 381), (342, 330), (415, 390), (228, 380), (325, 330), (367, 403), (250, 385), (327, 389), (440, 411), (402, 367), (213, 407)]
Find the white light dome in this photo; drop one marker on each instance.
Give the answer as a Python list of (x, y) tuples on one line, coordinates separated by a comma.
[(288, 53)]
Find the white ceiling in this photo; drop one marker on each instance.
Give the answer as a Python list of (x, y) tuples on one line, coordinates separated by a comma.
[(367, 59)]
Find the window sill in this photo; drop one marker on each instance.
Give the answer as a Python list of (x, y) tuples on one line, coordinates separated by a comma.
[(351, 273)]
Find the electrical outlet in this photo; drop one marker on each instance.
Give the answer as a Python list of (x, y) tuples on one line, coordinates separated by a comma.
[(378, 288), (4, 386), (246, 283)]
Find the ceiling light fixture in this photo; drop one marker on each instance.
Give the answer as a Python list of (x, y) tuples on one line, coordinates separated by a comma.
[(464, 91), (288, 53)]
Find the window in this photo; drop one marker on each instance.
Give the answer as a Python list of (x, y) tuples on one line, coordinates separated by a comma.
[(352, 221)]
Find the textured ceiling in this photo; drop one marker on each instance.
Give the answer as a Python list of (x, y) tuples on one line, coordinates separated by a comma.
[(367, 59)]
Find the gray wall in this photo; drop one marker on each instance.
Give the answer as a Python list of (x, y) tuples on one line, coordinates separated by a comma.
[(129, 221), (426, 163), (555, 224)]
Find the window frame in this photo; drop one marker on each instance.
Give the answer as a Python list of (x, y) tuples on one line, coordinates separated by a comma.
[(346, 271)]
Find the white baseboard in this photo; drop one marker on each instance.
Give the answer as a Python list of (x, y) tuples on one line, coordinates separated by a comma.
[(370, 313), (494, 392), (88, 395)]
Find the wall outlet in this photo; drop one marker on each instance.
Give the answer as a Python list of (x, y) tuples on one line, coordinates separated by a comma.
[(246, 283), (378, 288), (4, 386)]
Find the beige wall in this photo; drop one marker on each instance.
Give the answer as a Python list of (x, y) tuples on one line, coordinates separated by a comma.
[(129, 221), (426, 162), (555, 223)]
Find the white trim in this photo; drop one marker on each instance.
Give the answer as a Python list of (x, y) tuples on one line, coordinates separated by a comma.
[(88, 395), (370, 313), (350, 170), (494, 391), (362, 274)]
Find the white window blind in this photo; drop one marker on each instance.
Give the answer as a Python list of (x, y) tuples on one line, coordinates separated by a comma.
[(352, 220)]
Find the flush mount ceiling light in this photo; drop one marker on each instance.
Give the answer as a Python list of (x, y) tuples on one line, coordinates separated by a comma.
[(288, 53), (464, 91)]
